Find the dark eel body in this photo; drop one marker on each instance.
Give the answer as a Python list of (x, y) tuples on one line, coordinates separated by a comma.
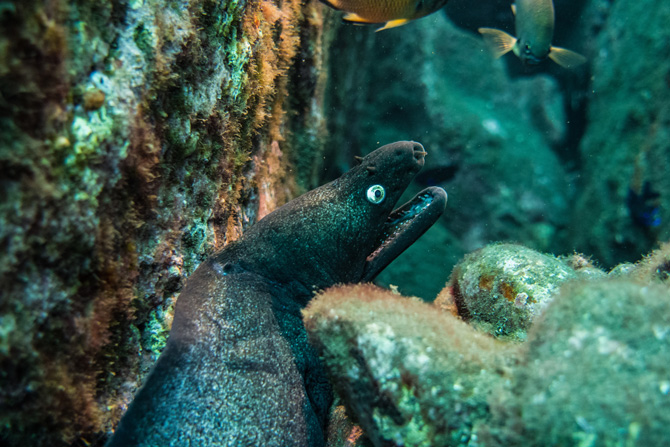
[(238, 369)]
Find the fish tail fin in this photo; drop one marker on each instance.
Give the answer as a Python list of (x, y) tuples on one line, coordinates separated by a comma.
[(392, 24), (498, 42), (566, 58), (355, 18), (513, 8)]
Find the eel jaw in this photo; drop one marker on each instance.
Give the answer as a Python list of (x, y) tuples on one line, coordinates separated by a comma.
[(403, 227)]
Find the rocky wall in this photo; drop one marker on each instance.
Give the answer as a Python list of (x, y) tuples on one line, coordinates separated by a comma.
[(136, 138), (622, 209)]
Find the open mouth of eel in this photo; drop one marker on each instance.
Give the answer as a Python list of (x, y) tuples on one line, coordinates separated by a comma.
[(404, 226)]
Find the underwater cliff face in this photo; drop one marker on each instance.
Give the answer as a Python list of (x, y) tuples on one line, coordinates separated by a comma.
[(136, 137)]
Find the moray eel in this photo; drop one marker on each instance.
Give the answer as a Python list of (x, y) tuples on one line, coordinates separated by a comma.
[(237, 368)]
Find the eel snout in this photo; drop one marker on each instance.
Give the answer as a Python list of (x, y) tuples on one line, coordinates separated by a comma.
[(405, 225)]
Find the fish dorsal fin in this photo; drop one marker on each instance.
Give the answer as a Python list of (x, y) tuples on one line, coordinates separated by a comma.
[(566, 58), (498, 42), (393, 23), (514, 8), (335, 4), (353, 17)]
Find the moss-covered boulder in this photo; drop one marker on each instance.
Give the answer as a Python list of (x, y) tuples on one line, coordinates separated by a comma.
[(407, 372), (596, 370), (593, 371), (502, 288)]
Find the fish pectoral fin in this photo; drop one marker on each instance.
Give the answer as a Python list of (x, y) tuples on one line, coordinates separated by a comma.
[(393, 24), (513, 8), (498, 42), (566, 58), (355, 18)]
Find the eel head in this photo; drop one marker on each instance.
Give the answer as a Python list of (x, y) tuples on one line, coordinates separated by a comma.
[(347, 230)]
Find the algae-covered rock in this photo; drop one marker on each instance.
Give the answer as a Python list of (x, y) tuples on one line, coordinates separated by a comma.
[(136, 137), (408, 373), (653, 268), (503, 288), (593, 371), (596, 371), (342, 432)]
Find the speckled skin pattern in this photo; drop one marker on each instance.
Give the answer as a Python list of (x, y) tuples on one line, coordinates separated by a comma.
[(238, 369)]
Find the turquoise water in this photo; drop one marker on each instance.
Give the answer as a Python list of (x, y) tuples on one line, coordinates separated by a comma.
[(138, 138)]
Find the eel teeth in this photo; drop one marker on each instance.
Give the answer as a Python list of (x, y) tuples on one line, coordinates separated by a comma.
[(404, 226), (399, 220)]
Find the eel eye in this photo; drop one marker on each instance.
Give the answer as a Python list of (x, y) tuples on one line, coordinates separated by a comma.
[(376, 194)]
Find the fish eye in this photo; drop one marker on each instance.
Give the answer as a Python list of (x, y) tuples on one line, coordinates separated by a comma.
[(376, 194)]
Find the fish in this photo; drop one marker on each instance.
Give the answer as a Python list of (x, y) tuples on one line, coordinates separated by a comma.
[(238, 368), (643, 206), (534, 24), (394, 12)]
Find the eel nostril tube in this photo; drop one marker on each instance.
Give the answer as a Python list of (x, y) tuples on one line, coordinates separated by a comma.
[(419, 151)]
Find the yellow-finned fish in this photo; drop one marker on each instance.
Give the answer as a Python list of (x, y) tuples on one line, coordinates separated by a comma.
[(534, 23), (393, 12)]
